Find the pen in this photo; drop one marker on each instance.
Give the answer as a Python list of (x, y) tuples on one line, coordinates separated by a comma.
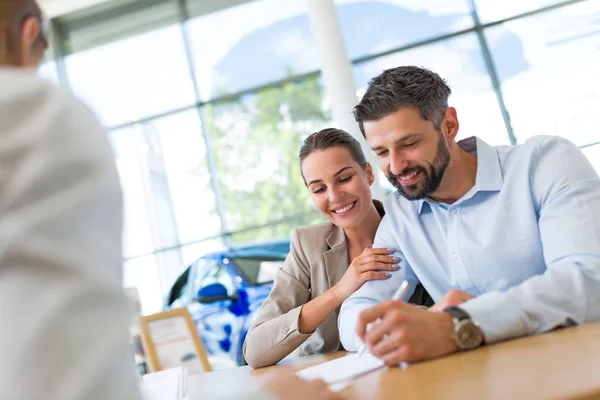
[(398, 295)]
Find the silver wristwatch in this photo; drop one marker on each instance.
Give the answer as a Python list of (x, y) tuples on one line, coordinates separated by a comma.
[(466, 334)]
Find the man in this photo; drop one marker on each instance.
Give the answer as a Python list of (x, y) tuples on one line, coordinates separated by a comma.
[(516, 229)]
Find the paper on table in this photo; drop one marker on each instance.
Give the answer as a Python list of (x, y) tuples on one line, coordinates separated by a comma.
[(337, 372), (170, 384)]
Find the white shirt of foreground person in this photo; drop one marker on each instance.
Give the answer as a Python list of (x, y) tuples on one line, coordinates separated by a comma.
[(525, 240), (63, 314)]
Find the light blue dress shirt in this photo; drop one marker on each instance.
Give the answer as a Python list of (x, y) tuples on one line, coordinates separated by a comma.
[(525, 240)]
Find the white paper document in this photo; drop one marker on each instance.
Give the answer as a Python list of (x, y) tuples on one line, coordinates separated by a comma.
[(338, 373), (170, 384)]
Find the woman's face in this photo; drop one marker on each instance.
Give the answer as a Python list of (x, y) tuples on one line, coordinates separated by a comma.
[(340, 187)]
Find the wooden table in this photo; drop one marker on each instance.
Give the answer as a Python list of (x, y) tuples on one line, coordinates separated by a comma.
[(556, 365)]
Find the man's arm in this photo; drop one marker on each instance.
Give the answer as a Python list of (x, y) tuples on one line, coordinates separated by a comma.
[(567, 192), (375, 291), (63, 313)]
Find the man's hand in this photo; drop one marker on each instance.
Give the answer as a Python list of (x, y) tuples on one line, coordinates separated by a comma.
[(453, 298), (405, 332)]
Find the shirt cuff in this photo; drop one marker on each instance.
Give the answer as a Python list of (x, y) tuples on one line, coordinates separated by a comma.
[(347, 324), (498, 315)]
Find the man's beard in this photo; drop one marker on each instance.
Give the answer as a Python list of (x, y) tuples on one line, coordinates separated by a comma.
[(432, 176)]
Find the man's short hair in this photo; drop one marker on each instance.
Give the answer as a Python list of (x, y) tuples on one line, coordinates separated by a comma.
[(406, 86)]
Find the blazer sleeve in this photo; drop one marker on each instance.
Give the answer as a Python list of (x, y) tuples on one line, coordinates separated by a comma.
[(274, 334)]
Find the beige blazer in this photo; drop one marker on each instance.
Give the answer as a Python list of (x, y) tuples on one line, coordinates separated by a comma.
[(317, 261)]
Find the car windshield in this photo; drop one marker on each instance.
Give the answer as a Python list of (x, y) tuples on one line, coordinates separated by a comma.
[(258, 270)]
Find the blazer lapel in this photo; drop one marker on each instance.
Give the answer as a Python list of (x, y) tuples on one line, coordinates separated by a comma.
[(336, 258)]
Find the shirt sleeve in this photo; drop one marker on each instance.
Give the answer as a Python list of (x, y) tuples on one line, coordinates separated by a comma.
[(567, 192), (63, 314), (274, 333), (375, 291)]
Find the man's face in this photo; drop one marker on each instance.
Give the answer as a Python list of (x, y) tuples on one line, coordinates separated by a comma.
[(413, 154)]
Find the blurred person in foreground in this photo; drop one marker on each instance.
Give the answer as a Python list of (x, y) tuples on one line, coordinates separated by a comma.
[(63, 313), (515, 228)]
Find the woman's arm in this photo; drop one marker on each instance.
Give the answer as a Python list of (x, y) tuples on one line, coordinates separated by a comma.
[(371, 264), (275, 332), (288, 318)]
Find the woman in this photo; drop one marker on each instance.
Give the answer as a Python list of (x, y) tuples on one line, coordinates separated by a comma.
[(61, 192), (301, 312)]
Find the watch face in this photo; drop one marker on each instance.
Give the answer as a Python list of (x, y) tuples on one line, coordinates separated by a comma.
[(468, 335)]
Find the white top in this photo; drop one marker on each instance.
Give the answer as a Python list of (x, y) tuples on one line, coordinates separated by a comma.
[(63, 314)]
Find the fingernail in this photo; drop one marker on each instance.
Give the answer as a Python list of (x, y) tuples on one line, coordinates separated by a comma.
[(390, 250), (388, 274), (369, 246), (396, 259), (396, 267)]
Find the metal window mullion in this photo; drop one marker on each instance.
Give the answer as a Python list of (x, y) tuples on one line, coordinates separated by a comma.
[(58, 38), (489, 63), (210, 155)]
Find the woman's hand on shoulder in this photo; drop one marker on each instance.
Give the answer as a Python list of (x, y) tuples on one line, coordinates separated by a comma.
[(371, 264)]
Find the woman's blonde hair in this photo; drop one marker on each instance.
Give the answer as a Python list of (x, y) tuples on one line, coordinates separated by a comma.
[(12, 15)]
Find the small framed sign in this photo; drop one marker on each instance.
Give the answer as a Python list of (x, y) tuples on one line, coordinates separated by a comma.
[(171, 340)]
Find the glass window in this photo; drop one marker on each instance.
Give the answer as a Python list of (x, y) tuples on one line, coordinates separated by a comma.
[(143, 274), (593, 154), (166, 183), (256, 139), (548, 65), (459, 61), (250, 45), (371, 27), (125, 71), (258, 270), (494, 10)]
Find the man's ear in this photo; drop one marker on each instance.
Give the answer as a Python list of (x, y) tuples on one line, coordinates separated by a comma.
[(450, 123), (30, 32), (370, 173)]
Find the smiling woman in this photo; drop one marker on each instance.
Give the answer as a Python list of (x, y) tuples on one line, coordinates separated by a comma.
[(300, 315)]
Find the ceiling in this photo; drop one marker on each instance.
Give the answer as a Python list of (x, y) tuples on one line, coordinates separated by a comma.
[(55, 8)]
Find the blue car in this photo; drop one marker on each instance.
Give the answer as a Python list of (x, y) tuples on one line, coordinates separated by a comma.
[(223, 290)]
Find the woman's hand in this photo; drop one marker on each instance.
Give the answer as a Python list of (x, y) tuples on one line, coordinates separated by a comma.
[(371, 264)]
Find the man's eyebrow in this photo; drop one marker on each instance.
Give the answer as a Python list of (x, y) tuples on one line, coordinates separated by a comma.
[(399, 141), (336, 174)]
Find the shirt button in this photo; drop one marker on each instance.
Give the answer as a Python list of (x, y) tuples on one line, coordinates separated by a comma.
[(453, 212), (454, 256)]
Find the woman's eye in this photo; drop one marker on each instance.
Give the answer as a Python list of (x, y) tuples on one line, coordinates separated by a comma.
[(345, 179), (319, 190)]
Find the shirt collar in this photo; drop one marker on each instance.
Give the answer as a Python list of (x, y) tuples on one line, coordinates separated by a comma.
[(489, 172)]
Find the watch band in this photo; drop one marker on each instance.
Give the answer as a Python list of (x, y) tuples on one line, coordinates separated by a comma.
[(458, 313)]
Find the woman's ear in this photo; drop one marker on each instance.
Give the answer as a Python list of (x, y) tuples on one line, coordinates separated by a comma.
[(370, 173), (30, 34)]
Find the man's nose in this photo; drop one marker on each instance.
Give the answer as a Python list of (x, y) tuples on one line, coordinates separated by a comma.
[(397, 164)]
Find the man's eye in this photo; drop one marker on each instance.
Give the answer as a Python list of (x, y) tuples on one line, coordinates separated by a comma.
[(410, 144), (382, 153)]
